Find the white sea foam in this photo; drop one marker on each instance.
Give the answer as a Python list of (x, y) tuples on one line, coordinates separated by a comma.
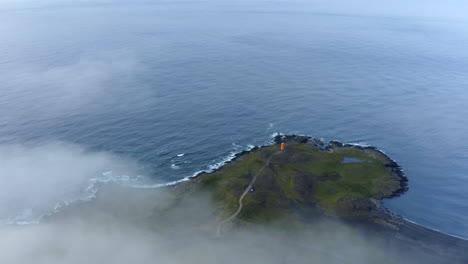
[(26, 217), (160, 185), (276, 134), (219, 164), (236, 146), (92, 185), (175, 166), (437, 230), (210, 168), (359, 144), (181, 155), (30, 216), (196, 173)]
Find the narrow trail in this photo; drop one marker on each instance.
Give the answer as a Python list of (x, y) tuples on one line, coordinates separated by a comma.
[(246, 191)]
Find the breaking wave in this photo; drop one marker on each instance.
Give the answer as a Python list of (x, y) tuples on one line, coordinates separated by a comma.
[(91, 186)]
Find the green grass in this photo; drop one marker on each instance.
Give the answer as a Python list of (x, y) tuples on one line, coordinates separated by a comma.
[(283, 185)]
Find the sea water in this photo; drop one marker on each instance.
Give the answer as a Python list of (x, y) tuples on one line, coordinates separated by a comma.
[(182, 86)]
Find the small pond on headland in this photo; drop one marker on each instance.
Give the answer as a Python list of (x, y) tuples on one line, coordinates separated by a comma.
[(351, 160)]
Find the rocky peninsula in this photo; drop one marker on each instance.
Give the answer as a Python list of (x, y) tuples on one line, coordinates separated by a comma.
[(310, 181)]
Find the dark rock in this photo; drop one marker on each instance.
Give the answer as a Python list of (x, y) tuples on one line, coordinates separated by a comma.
[(278, 139), (335, 144), (353, 205)]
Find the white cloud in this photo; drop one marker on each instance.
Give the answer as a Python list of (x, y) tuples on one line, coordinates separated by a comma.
[(35, 179)]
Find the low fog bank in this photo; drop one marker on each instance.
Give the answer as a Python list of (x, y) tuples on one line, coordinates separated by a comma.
[(125, 225), (38, 179), (114, 223)]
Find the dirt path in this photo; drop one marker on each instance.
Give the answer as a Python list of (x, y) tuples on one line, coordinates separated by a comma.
[(246, 191)]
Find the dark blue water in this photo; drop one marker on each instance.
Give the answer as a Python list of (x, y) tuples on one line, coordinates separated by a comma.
[(152, 80)]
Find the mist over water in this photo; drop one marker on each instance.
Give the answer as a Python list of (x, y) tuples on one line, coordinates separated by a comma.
[(41, 180), (121, 226), (131, 85)]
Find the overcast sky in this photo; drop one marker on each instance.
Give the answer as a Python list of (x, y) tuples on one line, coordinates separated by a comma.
[(428, 8)]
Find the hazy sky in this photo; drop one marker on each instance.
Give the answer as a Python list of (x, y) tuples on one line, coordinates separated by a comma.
[(425, 8)]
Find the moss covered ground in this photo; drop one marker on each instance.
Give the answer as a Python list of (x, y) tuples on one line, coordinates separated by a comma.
[(302, 176)]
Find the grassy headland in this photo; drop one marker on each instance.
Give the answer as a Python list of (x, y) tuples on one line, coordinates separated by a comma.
[(305, 178)]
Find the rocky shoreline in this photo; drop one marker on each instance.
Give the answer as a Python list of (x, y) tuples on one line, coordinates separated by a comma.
[(440, 247), (377, 207), (444, 248), (334, 144), (319, 143)]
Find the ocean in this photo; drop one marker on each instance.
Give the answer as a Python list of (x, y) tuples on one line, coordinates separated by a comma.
[(179, 86)]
